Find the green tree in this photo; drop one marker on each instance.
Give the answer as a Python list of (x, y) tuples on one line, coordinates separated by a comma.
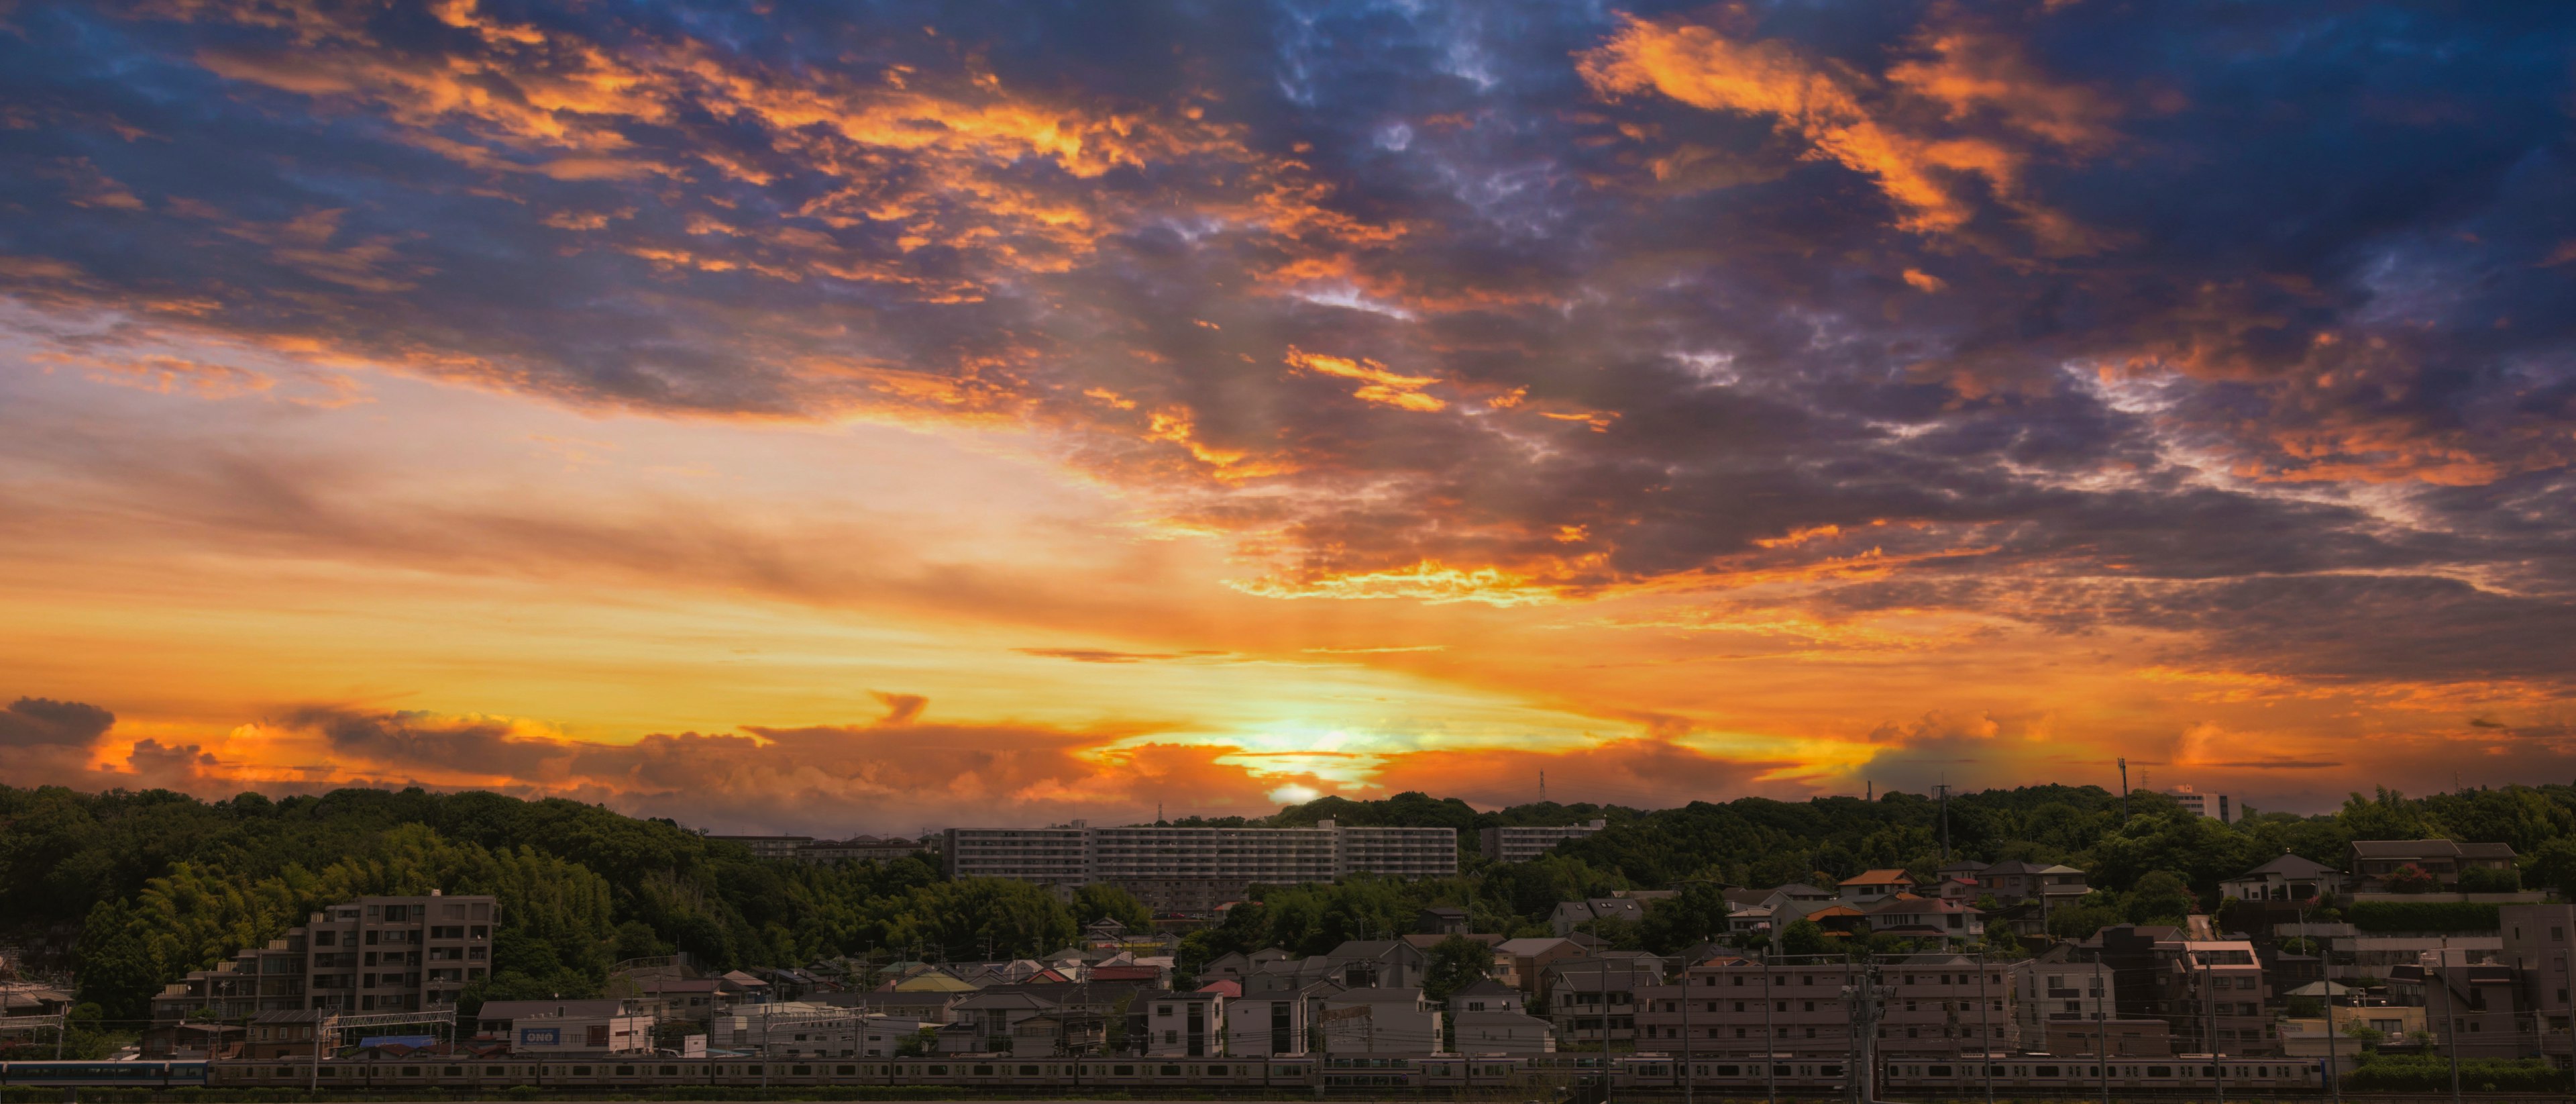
[(2552, 866), (2161, 897), (1456, 963), (1804, 937), (1102, 901)]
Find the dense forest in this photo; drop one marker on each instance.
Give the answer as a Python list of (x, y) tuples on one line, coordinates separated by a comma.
[(154, 884)]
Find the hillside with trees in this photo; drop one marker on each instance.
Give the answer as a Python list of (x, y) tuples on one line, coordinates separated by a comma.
[(154, 884)]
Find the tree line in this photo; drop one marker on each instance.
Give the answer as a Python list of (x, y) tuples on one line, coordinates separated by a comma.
[(157, 883)]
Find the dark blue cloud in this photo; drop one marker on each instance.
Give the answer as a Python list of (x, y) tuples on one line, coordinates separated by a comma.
[(2224, 292)]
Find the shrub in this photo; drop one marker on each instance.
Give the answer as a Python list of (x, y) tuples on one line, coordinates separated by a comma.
[(2479, 879), (2410, 878), (2432, 1073), (2422, 916)]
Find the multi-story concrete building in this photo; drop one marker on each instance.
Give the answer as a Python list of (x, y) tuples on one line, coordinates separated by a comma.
[(1047, 856), (860, 849), (371, 955), (1594, 1001), (2057, 988), (2201, 804), (1521, 843), (2214, 993), (2474, 1010), (2540, 945), (769, 847), (1933, 1004), (1193, 869)]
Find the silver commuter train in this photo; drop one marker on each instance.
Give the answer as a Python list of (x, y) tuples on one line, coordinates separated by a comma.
[(1649, 1073), (157, 1075)]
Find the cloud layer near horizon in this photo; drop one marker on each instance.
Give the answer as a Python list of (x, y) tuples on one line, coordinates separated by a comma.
[(1812, 373)]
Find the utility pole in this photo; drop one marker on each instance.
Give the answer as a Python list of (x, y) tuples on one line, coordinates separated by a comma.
[(1864, 994), (2124, 791)]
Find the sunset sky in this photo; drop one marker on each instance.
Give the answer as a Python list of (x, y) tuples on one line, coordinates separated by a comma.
[(843, 417)]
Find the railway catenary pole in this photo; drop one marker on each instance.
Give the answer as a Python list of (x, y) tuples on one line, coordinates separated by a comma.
[(2567, 974), (2451, 1026), (1985, 1029), (2325, 975), (2209, 997), (2101, 1035), (1770, 1083), (1687, 1084)]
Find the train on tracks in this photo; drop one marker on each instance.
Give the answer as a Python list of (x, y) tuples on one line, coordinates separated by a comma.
[(2022, 1075)]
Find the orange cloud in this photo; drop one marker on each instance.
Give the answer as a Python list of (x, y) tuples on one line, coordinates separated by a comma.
[(1933, 179), (1377, 384)]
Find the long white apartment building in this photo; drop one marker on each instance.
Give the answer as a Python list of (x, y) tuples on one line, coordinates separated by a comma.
[(1187, 868), (1523, 842)]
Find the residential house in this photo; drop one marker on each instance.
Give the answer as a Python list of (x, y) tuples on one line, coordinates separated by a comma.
[(1394, 1019), (1442, 920), (1925, 918), (983, 1023), (1522, 963), (2286, 878), (741, 987), (932, 1007), (2053, 883), (1275, 1022), (2370, 862), (1189, 1025), (1366, 963), (1869, 887), (1572, 914), (1507, 1033), (674, 999), (1424, 943), (284, 1036), (1487, 995)]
